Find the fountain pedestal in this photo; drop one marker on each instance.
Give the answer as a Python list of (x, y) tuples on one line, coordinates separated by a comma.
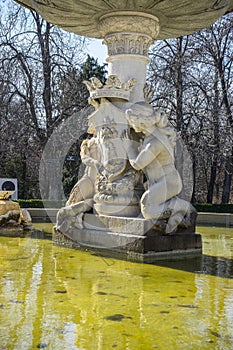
[(133, 239)]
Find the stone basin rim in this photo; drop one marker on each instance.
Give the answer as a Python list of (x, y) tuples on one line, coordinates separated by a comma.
[(176, 17)]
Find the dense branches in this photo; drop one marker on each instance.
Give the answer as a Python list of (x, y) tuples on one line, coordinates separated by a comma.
[(41, 86), (192, 81), (41, 74)]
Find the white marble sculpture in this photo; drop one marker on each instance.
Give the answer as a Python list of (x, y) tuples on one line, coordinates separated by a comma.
[(155, 156), (115, 160), (84, 188), (81, 196)]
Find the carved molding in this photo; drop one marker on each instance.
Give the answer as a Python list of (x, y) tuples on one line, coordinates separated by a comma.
[(128, 44), (130, 22)]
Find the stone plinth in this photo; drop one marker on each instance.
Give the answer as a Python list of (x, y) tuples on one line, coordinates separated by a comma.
[(133, 239)]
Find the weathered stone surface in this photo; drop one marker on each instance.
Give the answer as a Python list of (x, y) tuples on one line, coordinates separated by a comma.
[(175, 17), (7, 205), (138, 248), (132, 238), (26, 220), (25, 216), (11, 218), (14, 220), (5, 194), (117, 210), (135, 226)]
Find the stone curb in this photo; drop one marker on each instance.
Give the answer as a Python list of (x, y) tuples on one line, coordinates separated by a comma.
[(210, 219)]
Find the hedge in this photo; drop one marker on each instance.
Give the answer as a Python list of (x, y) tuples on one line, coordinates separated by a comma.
[(201, 207), (214, 208), (38, 203)]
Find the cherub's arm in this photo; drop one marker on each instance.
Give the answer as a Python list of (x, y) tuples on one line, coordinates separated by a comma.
[(85, 154), (148, 153), (143, 158)]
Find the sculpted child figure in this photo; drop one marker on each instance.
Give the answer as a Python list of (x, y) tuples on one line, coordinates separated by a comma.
[(85, 187), (156, 158), (81, 196)]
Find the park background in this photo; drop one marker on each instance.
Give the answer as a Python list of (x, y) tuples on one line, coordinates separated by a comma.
[(41, 75)]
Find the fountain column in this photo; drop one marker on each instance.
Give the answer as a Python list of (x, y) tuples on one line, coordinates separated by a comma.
[(128, 36)]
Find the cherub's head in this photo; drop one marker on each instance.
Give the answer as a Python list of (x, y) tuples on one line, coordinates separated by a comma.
[(142, 117), (91, 128), (139, 116)]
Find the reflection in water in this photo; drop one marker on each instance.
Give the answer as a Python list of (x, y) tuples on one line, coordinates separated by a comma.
[(205, 264), (58, 298)]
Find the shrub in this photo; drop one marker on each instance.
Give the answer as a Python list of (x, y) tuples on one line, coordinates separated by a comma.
[(214, 208), (38, 203)]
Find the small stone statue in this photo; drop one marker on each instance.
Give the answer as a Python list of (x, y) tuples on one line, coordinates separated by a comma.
[(81, 196), (85, 187)]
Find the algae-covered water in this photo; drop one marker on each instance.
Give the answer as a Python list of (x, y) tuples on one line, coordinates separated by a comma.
[(61, 299)]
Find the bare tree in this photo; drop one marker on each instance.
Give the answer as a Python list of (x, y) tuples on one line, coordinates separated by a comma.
[(35, 58), (192, 81), (215, 47)]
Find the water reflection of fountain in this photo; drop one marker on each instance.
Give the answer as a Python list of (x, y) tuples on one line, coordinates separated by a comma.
[(70, 299)]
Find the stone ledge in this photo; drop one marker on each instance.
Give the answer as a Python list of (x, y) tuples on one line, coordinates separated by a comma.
[(203, 218), (123, 225), (136, 248), (215, 219), (43, 214)]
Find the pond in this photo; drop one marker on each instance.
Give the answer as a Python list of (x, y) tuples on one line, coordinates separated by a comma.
[(61, 299)]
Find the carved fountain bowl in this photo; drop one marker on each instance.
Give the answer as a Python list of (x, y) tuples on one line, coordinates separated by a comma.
[(91, 17), (5, 194)]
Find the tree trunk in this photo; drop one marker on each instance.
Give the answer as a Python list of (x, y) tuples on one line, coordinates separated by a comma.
[(214, 165), (228, 179), (193, 199), (179, 86), (24, 176), (213, 175)]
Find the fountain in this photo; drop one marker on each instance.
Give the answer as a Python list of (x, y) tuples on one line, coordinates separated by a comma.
[(127, 203), (13, 219)]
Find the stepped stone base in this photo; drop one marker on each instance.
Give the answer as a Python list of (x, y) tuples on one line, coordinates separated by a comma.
[(132, 239)]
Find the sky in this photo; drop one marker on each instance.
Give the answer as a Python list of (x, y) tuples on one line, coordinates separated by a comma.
[(97, 50)]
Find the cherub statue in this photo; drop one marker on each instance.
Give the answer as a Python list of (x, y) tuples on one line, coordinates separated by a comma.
[(156, 158), (81, 196)]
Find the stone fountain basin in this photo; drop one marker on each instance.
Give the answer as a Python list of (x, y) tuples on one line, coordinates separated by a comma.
[(176, 17)]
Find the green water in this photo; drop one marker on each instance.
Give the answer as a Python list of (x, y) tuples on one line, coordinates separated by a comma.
[(61, 299)]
